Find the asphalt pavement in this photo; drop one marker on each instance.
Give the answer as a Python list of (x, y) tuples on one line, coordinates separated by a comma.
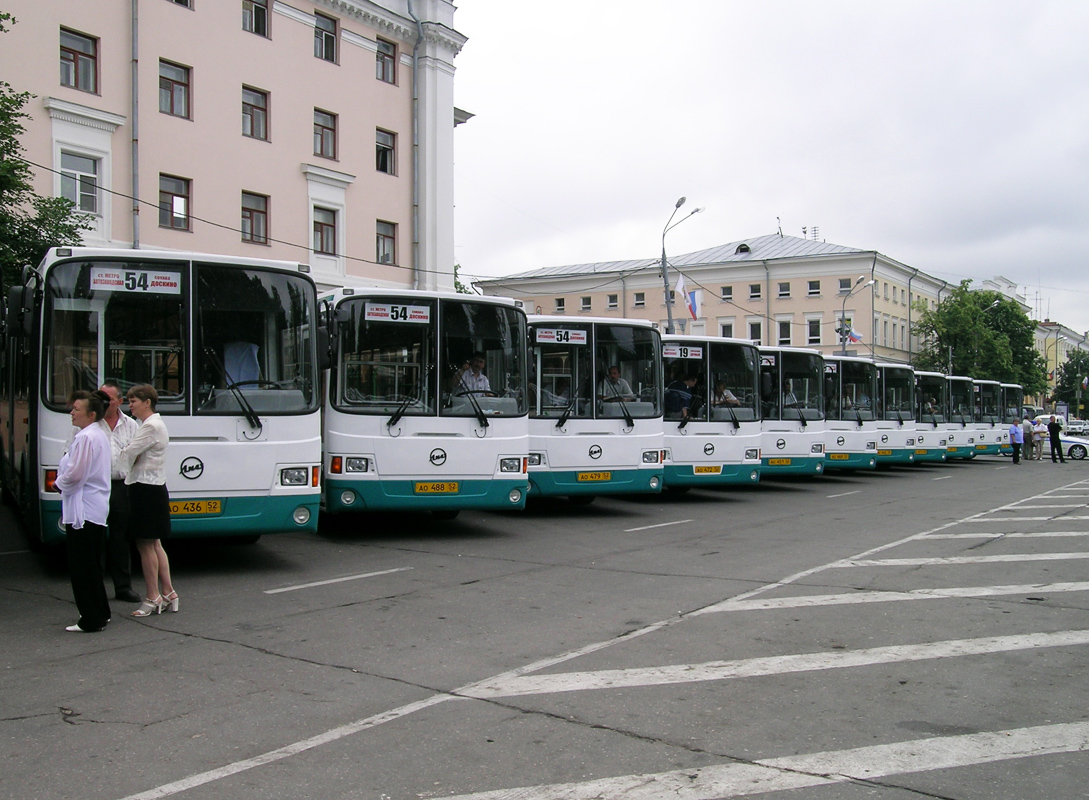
[(917, 632)]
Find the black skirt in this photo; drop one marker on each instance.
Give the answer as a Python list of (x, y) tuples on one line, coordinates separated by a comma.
[(150, 506)]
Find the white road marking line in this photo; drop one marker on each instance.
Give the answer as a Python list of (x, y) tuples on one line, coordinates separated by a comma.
[(926, 562), (347, 730), (944, 478), (814, 769), (1051, 505), (856, 491), (1018, 535), (989, 520), (15, 553), (337, 580), (805, 601), (639, 677), (659, 525)]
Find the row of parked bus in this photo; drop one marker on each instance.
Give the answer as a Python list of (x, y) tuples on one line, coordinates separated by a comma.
[(281, 402)]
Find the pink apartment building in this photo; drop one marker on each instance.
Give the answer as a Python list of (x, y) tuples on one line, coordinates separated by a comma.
[(249, 127)]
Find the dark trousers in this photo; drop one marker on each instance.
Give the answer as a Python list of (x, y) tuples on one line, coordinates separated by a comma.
[(85, 569), (1057, 447), (118, 543), (1016, 452)]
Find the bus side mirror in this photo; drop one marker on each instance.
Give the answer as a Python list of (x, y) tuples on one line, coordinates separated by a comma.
[(17, 321), (325, 350)]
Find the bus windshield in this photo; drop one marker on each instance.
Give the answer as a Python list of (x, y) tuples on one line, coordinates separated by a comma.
[(855, 389), (961, 400), (932, 391), (482, 350), (627, 371), (802, 393), (988, 408), (899, 393)]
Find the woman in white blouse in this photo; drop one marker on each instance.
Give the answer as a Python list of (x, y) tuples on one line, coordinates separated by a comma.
[(144, 458), (83, 479)]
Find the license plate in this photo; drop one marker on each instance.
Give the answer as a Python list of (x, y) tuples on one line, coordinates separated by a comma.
[(594, 476), (981, 447), (180, 508), (951, 449), (437, 487), (779, 462), (839, 456), (884, 452), (707, 470), (920, 452)]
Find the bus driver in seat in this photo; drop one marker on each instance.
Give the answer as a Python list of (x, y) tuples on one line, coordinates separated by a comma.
[(613, 387), (470, 378)]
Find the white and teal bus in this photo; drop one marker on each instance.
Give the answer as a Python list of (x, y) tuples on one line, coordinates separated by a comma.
[(425, 404), (960, 422), (850, 401), (896, 429), (990, 432), (230, 345), (712, 403), (932, 412), (1013, 400), (791, 411), (595, 423)]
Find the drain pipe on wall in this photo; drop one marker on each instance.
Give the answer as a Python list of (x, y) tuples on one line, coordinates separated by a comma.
[(415, 149), (765, 329), (135, 126)]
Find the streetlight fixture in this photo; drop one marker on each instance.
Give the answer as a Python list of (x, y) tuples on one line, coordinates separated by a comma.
[(670, 225), (843, 311)]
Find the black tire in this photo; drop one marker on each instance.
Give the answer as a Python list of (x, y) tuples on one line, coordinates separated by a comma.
[(580, 499), (448, 514), (1077, 452)]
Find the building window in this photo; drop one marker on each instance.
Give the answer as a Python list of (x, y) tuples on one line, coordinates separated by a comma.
[(386, 243), (640, 300), (814, 326), (844, 285), (756, 335), (79, 181), (173, 89), (385, 151), (174, 202), (784, 290), (78, 61), (325, 134), (559, 305), (613, 302), (726, 293), (386, 65), (885, 334), (726, 330), (254, 218), (325, 231), (254, 113), (754, 291), (586, 304), (255, 16), (814, 288), (325, 38), (784, 333), (886, 291), (185, 3)]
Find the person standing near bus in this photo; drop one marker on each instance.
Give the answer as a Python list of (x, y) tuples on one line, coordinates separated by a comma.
[(1027, 434), (144, 459), (1054, 429), (83, 479), (120, 430), (1017, 438)]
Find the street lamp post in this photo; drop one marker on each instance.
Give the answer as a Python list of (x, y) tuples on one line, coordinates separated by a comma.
[(665, 266), (1047, 361), (843, 312)]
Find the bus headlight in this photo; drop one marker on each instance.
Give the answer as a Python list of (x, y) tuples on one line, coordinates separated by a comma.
[(654, 482), (294, 476), (535, 459), (301, 515), (910, 442), (752, 455), (347, 498), (515, 496), (817, 448), (754, 476), (510, 465), (650, 457), (356, 464)]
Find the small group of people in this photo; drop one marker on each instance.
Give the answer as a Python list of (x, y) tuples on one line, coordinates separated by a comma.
[(112, 481), (1029, 436)]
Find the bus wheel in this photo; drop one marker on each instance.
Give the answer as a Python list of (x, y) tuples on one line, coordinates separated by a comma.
[(447, 514), (1077, 452), (580, 499), (251, 539), (678, 489)]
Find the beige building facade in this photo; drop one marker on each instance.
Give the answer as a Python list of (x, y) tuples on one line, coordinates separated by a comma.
[(320, 133), (772, 290)]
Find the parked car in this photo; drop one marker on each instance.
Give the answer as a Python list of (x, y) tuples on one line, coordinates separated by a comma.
[(1077, 427), (1075, 447)]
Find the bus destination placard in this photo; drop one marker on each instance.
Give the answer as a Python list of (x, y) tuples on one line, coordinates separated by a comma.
[(143, 281), (396, 312), (681, 351), (560, 336)]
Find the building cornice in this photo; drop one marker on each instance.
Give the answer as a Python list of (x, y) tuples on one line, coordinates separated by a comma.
[(83, 115), (330, 177)]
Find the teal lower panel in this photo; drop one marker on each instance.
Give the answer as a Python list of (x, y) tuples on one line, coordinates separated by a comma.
[(898, 457), (401, 494), (853, 461), (960, 452), (676, 475), (990, 450), (622, 481), (798, 466), (242, 516), (931, 455)]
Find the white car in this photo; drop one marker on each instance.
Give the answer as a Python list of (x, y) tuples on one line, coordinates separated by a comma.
[(1075, 447)]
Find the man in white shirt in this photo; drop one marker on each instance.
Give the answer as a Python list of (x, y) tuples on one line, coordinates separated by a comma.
[(613, 387), (119, 428), (471, 378)]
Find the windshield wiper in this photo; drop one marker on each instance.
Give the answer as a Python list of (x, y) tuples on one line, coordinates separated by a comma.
[(693, 408), (620, 399), (566, 415), (481, 418), (400, 412), (232, 387)]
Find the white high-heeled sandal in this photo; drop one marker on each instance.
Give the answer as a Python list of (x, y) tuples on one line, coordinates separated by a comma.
[(148, 606), (172, 601)]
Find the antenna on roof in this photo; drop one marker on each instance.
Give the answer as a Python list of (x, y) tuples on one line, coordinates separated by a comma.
[(816, 232), (779, 222), (805, 232)]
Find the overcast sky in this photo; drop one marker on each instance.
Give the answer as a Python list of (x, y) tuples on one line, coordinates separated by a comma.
[(951, 136)]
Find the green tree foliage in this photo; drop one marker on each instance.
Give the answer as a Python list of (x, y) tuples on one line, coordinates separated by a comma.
[(1071, 373), (29, 223), (991, 338), (460, 287)]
